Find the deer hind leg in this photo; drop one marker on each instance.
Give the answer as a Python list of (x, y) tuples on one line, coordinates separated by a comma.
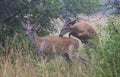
[(67, 58), (76, 56)]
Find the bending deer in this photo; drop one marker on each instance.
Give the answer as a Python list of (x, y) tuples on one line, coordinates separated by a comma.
[(83, 31), (50, 45)]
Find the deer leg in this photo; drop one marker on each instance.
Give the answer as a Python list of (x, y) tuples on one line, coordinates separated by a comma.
[(88, 52), (76, 56), (83, 61), (66, 56), (45, 57)]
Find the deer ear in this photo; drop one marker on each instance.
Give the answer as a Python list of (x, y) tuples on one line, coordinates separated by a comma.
[(24, 25), (36, 26), (72, 22), (67, 20)]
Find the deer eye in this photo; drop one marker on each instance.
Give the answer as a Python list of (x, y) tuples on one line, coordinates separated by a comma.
[(65, 28), (30, 30)]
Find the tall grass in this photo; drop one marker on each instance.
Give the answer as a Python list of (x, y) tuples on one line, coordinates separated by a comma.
[(19, 59), (110, 58)]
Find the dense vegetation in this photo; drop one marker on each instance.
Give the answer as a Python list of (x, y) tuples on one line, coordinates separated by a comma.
[(110, 57), (18, 57)]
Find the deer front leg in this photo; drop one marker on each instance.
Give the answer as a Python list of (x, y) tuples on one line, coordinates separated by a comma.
[(76, 56), (83, 61), (44, 57)]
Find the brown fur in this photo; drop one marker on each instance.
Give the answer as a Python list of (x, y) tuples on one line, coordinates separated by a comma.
[(55, 44)]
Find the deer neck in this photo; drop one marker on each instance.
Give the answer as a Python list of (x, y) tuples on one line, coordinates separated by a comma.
[(34, 37)]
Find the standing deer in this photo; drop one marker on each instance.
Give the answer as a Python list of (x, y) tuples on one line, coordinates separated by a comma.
[(51, 45), (83, 31)]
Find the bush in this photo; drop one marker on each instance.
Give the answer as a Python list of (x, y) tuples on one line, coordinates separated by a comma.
[(110, 57)]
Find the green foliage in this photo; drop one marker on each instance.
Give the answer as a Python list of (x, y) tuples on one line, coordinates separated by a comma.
[(110, 57), (82, 6), (43, 11)]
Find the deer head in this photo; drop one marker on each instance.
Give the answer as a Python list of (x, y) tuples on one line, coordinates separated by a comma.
[(30, 28), (67, 27)]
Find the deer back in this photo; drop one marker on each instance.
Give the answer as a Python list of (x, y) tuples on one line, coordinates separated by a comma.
[(61, 44)]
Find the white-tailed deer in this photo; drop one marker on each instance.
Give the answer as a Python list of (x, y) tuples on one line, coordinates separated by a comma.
[(82, 30), (51, 45)]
